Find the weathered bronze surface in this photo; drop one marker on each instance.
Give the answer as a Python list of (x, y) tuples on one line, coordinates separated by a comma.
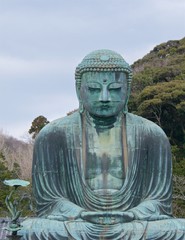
[(12, 204), (101, 172)]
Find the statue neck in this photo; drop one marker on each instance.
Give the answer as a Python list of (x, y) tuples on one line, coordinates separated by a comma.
[(102, 122)]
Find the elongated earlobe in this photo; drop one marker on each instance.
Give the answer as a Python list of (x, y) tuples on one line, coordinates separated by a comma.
[(81, 107)]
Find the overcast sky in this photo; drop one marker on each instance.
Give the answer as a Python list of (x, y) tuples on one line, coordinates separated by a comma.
[(42, 42)]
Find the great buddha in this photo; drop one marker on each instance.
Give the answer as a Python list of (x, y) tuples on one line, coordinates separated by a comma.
[(101, 172)]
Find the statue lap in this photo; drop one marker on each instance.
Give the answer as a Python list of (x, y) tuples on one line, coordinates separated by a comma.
[(171, 229)]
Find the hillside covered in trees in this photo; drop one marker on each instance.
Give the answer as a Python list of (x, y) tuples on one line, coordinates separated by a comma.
[(158, 89), (158, 93)]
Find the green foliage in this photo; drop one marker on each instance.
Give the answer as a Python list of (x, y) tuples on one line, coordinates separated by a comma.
[(178, 156), (37, 124), (4, 174), (158, 93), (179, 196), (5, 190), (164, 104), (166, 62), (178, 206), (23, 201)]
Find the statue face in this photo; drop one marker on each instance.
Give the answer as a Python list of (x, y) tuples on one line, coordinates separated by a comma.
[(103, 94)]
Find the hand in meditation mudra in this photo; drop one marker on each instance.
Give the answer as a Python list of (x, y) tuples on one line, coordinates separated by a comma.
[(101, 172)]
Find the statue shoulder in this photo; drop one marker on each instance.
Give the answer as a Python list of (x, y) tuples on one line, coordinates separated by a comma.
[(60, 125), (145, 124)]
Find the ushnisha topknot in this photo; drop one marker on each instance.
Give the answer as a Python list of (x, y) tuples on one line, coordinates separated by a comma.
[(103, 61)]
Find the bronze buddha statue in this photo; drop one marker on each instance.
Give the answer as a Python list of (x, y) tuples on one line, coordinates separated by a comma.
[(101, 172)]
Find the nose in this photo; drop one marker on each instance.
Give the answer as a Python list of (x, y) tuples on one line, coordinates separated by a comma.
[(104, 95)]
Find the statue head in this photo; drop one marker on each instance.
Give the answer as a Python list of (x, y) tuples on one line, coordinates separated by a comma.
[(103, 81)]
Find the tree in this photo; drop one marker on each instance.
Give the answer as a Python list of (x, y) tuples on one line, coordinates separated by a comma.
[(165, 63), (164, 104), (37, 124), (17, 155)]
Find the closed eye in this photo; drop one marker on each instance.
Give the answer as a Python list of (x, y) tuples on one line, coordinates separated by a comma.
[(94, 89), (115, 86)]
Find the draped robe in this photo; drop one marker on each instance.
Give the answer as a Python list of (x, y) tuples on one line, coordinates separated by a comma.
[(62, 194)]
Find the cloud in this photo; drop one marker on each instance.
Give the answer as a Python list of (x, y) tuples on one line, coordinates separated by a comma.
[(11, 66)]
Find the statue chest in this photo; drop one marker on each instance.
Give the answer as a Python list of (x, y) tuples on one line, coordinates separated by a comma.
[(104, 160)]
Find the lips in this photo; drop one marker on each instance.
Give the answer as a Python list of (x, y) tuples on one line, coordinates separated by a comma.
[(105, 106)]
